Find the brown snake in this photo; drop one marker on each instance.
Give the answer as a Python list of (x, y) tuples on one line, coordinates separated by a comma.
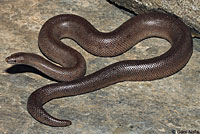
[(73, 67)]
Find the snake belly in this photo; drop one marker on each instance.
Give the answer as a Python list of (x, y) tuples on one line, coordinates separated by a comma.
[(72, 66)]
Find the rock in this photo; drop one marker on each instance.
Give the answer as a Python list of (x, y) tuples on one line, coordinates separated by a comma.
[(154, 107), (188, 10)]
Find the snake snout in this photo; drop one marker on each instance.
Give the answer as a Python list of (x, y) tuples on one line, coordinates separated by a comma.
[(10, 60), (16, 58)]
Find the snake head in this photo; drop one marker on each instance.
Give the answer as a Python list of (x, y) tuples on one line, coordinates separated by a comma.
[(16, 58)]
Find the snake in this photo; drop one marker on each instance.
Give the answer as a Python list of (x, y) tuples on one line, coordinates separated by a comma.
[(68, 66)]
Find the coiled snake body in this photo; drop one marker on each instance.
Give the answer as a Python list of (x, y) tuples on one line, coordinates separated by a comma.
[(73, 65)]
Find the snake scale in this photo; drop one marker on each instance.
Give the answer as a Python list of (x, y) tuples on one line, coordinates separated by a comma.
[(72, 66)]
